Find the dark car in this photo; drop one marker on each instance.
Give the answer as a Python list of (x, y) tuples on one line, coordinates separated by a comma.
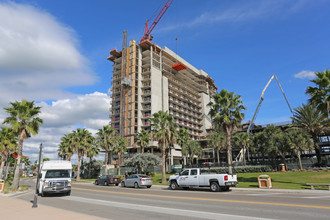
[(107, 180)]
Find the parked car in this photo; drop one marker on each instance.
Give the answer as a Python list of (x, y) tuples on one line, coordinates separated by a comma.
[(107, 180), (137, 180)]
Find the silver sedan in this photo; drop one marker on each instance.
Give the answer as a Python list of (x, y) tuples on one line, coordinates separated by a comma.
[(137, 180)]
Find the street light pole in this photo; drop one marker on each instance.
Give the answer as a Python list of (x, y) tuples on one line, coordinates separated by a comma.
[(35, 200)]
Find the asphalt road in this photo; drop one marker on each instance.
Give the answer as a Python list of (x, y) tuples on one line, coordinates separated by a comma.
[(158, 202)]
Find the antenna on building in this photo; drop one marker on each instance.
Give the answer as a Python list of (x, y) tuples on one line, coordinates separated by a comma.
[(124, 39)]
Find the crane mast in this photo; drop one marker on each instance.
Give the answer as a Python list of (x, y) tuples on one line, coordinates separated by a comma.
[(262, 99), (148, 29)]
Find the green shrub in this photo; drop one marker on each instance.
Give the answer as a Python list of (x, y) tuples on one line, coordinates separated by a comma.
[(240, 169)]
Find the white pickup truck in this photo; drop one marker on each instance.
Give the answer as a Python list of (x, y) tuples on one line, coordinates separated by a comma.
[(201, 178)]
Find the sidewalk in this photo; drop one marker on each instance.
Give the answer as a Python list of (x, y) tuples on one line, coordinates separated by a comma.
[(11, 208)]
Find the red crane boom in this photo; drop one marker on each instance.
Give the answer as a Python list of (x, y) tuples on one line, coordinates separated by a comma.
[(147, 29)]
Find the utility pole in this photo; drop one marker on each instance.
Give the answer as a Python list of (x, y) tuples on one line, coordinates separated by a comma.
[(35, 200)]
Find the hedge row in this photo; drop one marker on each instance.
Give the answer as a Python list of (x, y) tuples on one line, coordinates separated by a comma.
[(240, 169)]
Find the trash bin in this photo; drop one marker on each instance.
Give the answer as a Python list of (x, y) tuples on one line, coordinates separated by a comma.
[(264, 181), (2, 185)]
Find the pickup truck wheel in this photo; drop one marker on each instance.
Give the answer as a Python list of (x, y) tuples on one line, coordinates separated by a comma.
[(174, 185), (214, 187)]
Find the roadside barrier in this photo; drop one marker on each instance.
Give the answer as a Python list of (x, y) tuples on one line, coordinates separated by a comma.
[(2, 185), (264, 181)]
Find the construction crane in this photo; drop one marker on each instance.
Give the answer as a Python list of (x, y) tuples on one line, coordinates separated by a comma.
[(262, 98), (148, 29)]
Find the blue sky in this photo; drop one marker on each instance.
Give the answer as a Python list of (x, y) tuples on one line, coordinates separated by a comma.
[(58, 50)]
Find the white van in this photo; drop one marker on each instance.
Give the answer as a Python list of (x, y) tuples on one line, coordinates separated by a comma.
[(55, 177)]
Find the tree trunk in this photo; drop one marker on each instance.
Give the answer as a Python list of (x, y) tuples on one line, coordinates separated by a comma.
[(142, 149), (317, 150), (78, 171), (15, 183), (90, 167), (3, 160), (218, 155), (106, 162), (119, 162), (163, 162), (299, 159), (229, 154), (244, 161)]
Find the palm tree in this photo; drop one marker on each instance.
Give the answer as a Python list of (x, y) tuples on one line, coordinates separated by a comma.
[(217, 141), (24, 121), (66, 147), (191, 149), (164, 131), (92, 151), (225, 112), (243, 140), (298, 141), (143, 138), (82, 139), (105, 142), (320, 94), (119, 147), (8, 144), (182, 138), (314, 122)]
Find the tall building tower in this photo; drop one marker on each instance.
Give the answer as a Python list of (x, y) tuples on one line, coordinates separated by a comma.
[(147, 79)]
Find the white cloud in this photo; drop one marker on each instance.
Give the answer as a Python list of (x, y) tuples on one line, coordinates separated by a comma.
[(38, 55), (305, 74), (242, 13), (90, 111)]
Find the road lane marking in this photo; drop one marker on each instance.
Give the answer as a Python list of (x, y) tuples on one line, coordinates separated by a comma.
[(205, 199), (162, 210)]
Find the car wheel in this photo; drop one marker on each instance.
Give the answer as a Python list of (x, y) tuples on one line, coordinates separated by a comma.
[(148, 186), (174, 185), (117, 184), (106, 183), (136, 185), (96, 182), (43, 194), (214, 187), (68, 193), (122, 184)]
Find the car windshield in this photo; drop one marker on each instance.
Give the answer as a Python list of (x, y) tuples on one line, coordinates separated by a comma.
[(57, 174)]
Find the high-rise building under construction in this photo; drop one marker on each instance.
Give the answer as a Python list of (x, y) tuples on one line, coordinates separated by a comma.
[(147, 79)]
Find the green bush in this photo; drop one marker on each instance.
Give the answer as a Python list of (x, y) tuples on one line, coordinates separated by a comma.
[(240, 169)]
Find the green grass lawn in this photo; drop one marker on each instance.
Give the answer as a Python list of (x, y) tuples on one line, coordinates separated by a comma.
[(285, 180), (280, 180)]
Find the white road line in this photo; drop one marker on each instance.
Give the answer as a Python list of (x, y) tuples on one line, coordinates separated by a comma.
[(162, 210), (315, 197), (264, 194)]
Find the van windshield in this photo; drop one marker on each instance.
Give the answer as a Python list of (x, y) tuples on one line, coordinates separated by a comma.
[(57, 174)]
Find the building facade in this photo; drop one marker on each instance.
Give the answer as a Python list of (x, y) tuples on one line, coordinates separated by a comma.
[(146, 79)]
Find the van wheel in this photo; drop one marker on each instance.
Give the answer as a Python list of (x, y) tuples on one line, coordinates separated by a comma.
[(174, 185), (214, 187)]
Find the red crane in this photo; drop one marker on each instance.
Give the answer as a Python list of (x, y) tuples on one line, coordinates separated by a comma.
[(147, 29)]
